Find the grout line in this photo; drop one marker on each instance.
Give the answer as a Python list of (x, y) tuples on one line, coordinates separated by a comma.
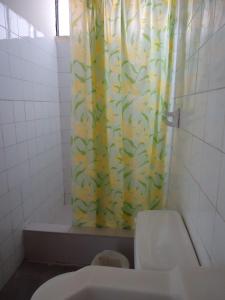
[(31, 101), (201, 92), (200, 188), (202, 140)]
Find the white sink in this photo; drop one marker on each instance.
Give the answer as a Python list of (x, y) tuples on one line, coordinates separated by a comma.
[(97, 293), (104, 283)]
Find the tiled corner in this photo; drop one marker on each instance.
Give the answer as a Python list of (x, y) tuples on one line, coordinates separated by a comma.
[(201, 176), (65, 98), (30, 136)]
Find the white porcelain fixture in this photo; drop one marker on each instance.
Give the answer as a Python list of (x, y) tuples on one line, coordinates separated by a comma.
[(104, 283), (162, 241), (167, 269)]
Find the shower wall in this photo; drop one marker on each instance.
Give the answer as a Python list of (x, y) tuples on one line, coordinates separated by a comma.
[(197, 179), (31, 177), (65, 97)]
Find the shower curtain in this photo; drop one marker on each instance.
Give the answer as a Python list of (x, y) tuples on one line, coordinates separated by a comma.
[(122, 62)]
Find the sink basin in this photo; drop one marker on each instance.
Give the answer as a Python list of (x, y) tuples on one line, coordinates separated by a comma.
[(112, 294), (104, 283)]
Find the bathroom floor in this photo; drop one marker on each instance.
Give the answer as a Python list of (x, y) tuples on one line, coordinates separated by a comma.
[(28, 277)]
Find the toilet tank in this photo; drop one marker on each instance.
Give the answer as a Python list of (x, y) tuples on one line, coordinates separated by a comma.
[(162, 242)]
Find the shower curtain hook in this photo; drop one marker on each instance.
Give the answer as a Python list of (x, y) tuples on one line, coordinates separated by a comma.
[(175, 118)]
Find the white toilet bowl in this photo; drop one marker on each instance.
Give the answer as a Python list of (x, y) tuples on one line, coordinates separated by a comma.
[(162, 250)]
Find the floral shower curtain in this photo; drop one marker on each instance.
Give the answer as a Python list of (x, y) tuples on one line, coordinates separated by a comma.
[(122, 71)]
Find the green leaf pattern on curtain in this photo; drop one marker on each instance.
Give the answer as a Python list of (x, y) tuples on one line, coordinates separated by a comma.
[(122, 72)]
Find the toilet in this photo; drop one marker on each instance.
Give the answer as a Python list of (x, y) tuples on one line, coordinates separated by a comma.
[(161, 244)]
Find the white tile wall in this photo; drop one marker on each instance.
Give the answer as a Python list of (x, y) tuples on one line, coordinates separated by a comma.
[(214, 119), (218, 253), (217, 64), (204, 67), (208, 10), (221, 194), (198, 175), (65, 97), (31, 174), (205, 222), (219, 19), (198, 114)]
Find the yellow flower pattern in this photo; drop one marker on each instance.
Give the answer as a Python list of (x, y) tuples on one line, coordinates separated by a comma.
[(122, 71)]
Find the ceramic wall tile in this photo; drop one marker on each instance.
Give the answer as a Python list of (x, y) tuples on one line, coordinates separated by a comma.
[(218, 245), (205, 56), (65, 98), (207, 24), (202, 123), (221, 192), (199, 114), (206, 218), (217, 63), (219, 19), (30, 136), (215, 118)]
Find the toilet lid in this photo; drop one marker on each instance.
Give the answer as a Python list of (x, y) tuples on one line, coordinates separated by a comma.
[(162, 241)]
